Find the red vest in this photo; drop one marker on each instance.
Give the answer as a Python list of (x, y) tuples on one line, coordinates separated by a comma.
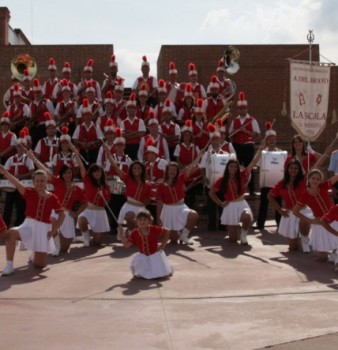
[(158, 144), (16, 112), (61, 160), (241, 137), (88, 135), (122, 164), (47, 152), (212, 108), (5, 142), (187, 155), (187, 113), (27, 97), (49, 88), (119, 110), (69, 109), (142, 114), (19, 164), (41, 109), (170, 131), (132, 126), (149, 82), (200, 141), (153, 171)]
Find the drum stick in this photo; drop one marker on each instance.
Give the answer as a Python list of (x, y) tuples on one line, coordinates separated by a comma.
[(240, 129)]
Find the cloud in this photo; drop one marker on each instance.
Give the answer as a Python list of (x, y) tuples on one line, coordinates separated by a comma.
[(215, 17)]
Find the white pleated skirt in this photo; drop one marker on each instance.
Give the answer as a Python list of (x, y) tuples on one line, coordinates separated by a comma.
[(127, 208), (150, 266), (97, 219), (34, 235), (289, 226), (231, 214), (174, 217), (67, 227), (322, 240)]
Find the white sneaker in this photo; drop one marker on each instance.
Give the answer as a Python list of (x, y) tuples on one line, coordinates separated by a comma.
[(57, 244), (305, 241), (243, 237), (183, 237), (31, 257), (332, 257), (78, 239), (8, 270), (86, 239)]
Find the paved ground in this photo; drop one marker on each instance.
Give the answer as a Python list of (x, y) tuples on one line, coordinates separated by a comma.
[(222, 296)]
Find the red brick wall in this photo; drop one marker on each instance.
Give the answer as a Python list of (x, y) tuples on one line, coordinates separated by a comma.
[(263, 76)]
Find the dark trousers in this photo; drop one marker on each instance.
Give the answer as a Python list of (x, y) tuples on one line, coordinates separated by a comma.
[(245, 154), (335, 197), (131, 150), (214, 214), (37, 132), (115, 204), (263, 208), (14, 199)]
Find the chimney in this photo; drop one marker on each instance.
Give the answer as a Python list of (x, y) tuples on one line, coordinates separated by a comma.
[(4, 24)]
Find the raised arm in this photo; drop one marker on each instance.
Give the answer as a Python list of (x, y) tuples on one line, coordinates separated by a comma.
[(19, 186), (257, 157), (78, 159), (188, 170), (31, 155), (119, 172)]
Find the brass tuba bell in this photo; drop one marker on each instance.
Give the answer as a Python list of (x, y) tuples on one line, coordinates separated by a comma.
[(230, 59), (22, 62)]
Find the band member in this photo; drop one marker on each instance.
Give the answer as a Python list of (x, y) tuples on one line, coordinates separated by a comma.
[(7, 138), (244, 130), (109, 136), (38, 108), (172, 212), (108, 112), (97, 191), (200, 126), (47, 147), (133, 128), (290, 189), (88, 77), (110, 81), (169, 130), (333, 170), (38, 228), (149, 80), (65, 156), (198, 90), (186, 111), (162, 97), (9, 97), (228, 193), (151, 261), (175, 92), (18, 111), (27, 91), (142, 109), (21, 167), (160, 142), (214, 104), (69, 195), (57, 92), (94, 104), (66, 109), (225, 145), (119, 105), (49, 85), (87, 136)]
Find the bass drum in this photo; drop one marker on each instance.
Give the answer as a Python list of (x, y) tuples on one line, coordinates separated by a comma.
[(271, 168), (215, 165)]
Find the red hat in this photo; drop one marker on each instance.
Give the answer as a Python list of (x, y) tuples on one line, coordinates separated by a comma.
[(143, 90), (220, 66), (167, 106), (109, 127), (112, 62), (109, 98), (5, 118), (172, 68), (22, 137), (132, 100), (28, 137), (192, 69), (212, 131), (16, 90), (49, 120), (86, 108), (188, 90), (26, 75), (90, 87), (220, 126), (187, 126), (269, 131), (65, 136), (242, 102), (89, 65), (119, 84), (145, 61), (64, 85), (52, 65), (198, 108), (150, 146), (161, 86), (152, 120), (66, 67), (119, 139), (36, 85), (214, 84)]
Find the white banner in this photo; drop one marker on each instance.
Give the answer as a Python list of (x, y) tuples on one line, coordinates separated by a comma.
[(309, 98)]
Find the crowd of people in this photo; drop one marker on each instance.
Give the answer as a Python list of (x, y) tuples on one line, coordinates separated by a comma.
[(88, 160)]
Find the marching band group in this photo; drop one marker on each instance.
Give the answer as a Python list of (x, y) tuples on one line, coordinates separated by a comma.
[(134, 166)]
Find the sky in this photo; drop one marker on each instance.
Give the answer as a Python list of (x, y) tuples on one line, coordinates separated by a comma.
[(138, 28)]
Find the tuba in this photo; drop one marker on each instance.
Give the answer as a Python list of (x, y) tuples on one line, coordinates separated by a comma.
[(22, 62), (230, 59)]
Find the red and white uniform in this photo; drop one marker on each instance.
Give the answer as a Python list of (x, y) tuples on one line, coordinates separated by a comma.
[(250, 124), (87, 133), (119, 112), (159, 142), (57, 91), (61, 159), (28, 96), (46, 148), (111, 86), (7, 140), (19, 165), (198, 91), (212, 106), (134, 124), (39, 108), (95, 108), (185, 113), (150, 81), (81, 90), (158, 111), (307, 162), (202, 140), (66, 107), (170, 129), (123, 162), (143, 112), (227, 147), (18, 113), (48, 88)]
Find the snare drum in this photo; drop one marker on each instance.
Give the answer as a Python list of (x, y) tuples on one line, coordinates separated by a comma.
[(271, 168), (215, 165), (117, 187)]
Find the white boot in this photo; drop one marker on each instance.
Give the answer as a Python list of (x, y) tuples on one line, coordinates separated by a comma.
[(57, 244), (86, 238), (243, 235), (305, 241), (183, 237), (8, 270)]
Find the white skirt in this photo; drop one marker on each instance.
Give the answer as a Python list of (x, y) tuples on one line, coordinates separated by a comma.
[(322, 240), (34, 235), (150, 266), (174, 217), (231, 214), (127, 207), (67, 227), (97, 219), (289, 226)]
